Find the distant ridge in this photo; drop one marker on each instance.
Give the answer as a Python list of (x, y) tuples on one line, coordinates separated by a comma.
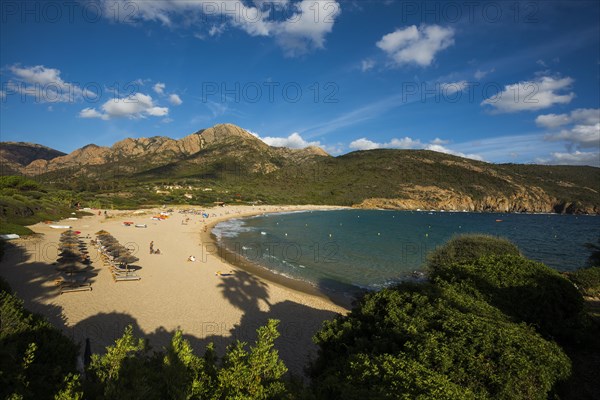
[(232, 160), (16, 155), (144, 154)]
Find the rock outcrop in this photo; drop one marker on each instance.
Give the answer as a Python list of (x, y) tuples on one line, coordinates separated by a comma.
[(533, 200)]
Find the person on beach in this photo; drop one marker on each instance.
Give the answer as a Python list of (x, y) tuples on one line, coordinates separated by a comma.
[(152, 247), (157, 251), (191, 258)]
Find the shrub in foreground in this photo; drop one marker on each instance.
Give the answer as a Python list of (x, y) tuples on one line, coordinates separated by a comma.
[(524, 289), (34, 355), (129, 371), (587, 280), (468, 248), (436, 342)]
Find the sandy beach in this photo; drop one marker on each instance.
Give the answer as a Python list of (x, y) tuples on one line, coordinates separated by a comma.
[(172, 293)]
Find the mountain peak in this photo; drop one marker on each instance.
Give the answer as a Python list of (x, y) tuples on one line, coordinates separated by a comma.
[(221, 132)]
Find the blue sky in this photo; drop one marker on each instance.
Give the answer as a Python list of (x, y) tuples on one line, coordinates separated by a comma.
[(502, 81)]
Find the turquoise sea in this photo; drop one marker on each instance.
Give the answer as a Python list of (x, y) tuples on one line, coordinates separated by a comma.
[(371, 248)]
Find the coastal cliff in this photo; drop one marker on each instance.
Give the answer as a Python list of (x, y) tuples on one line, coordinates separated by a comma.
[(433, 198)]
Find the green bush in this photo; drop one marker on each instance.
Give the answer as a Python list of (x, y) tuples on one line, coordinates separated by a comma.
[(129, 371), (468, 248), (526, 290), (19, 182), (34, 356), (587, 280), (432, 341)]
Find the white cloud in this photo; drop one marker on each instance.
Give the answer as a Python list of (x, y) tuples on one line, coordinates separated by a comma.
[(294, 141), (587, 116), (552, 120), (409, 143), (305, 29), (442, 149), (450, 88), (580, 129), (159, 88), (575, 158), (175, 100), (533, 95), (217, 30), (46, 85), (364, 144), (367, 64), (138, 105), (479, 74), (439, 141), (412, 45), (92, 113), (579, 136)]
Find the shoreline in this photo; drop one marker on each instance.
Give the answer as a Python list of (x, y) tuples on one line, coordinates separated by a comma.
[(235, 260)]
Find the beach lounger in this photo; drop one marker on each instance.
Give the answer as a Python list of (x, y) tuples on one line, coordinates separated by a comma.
[(69, 288), (121, 278), (65, 279), (118, 268)]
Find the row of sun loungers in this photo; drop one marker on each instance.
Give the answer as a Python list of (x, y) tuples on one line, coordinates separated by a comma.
[(73, 264), (116, 257)]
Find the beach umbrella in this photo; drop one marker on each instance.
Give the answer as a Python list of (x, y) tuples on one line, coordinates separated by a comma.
[(74, 267), (67, 245), (68, 240), (69, 253), (127, 259), (111, 243), (118, 252)]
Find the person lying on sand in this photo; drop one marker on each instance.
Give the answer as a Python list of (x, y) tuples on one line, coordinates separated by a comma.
[(219, 273), (191, 258)]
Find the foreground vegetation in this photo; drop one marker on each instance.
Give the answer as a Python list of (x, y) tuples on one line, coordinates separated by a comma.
[(487, 324)]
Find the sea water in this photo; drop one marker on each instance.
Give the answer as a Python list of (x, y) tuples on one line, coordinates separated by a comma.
[(371, 249)]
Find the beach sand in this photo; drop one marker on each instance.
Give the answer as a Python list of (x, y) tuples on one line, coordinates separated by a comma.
[(173, 293)]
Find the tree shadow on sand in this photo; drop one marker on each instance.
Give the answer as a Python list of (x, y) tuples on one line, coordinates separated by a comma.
[(33, 276), (298, 322)]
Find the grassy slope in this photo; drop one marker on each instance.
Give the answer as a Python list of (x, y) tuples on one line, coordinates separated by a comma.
[(24, 202)]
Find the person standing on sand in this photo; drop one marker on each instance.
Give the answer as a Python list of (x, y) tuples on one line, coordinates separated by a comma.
[(152, 247)]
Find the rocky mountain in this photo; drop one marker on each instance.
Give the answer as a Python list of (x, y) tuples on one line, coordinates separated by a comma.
[(146, 155), (16, 155)]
